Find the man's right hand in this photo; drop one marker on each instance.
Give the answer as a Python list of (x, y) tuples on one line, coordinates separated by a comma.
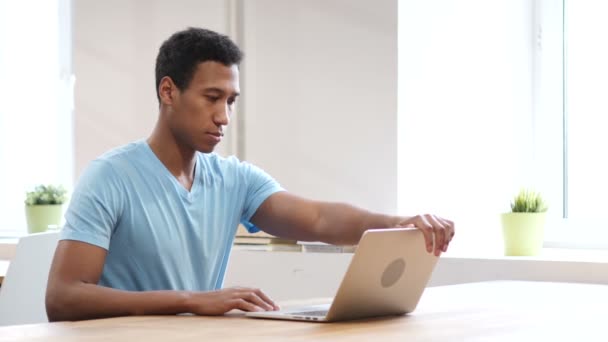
[(73, 292), (221, 301)]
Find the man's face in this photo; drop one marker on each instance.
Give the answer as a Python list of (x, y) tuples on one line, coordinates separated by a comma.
[(200, 112)]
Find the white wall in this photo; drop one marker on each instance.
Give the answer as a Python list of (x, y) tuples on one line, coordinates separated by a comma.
[(115, 47), (289, 275), (319, 81), (321, 97)]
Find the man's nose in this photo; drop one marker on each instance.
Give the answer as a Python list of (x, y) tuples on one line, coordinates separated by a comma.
[(222, 116)]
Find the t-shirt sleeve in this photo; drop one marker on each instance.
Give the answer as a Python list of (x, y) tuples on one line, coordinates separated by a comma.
[(260, 186), (95, 207)]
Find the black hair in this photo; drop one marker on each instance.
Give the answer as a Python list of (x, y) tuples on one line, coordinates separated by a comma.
[(179, 55)]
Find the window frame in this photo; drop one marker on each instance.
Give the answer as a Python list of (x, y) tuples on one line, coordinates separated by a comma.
[(551, 133)]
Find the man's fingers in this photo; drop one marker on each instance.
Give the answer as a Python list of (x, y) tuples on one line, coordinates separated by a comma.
[(449, 230), (244, 305), (267, 299), (256, 297), (440, 234), (427, 230), (257, 301)]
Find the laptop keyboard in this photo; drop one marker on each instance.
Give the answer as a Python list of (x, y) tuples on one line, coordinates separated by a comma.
[(310, 313)]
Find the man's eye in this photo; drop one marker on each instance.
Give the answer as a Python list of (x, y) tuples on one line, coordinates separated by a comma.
[(213, 98), (231, 101)]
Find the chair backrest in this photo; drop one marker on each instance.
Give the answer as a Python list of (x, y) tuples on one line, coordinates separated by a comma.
[(24, 286)]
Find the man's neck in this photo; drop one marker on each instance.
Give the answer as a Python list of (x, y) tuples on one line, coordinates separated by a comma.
[(178, 159)]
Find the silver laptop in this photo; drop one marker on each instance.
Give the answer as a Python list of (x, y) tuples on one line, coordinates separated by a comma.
[(386, 276)]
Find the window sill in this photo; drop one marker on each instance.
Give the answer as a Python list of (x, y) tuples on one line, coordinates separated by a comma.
[(547, 254), (562, 255)]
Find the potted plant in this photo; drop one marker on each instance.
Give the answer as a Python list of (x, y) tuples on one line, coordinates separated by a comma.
[(523, 227), (43, 207)]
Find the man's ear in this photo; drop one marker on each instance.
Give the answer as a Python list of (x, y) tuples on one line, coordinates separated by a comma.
[(166, 90)]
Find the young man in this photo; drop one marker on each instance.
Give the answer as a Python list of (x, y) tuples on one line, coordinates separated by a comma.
[(150, 224)]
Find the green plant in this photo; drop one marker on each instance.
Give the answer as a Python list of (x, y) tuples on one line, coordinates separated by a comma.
[(528, 201), (46, 194)]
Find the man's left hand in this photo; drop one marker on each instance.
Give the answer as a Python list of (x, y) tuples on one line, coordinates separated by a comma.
[(432, 225)]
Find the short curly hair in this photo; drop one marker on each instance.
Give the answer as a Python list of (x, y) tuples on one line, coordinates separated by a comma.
[(179, 55)]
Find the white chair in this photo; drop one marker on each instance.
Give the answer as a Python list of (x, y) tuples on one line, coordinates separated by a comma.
[(24, 286)]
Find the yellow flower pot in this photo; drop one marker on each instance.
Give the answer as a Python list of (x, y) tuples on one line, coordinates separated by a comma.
[(523, 233), (40, 217)]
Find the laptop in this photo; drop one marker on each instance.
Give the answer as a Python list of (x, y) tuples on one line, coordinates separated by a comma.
[(386, 276)]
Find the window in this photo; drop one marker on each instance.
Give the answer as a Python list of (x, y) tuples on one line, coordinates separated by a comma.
[(465, 111), (580, 29), (586, 108), (36, 111), (485, 109)]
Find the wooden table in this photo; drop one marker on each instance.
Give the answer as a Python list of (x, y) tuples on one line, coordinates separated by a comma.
[(489, 311)]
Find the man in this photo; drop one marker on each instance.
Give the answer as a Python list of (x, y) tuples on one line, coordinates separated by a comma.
[(150, 224)]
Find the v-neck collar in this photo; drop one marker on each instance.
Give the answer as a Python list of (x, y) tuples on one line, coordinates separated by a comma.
[(189, 195)]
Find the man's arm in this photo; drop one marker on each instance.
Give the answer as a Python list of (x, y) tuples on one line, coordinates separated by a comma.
[(73, 294), (289, 216)]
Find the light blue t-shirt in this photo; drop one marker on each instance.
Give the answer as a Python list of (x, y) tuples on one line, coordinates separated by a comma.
[(158, 235)]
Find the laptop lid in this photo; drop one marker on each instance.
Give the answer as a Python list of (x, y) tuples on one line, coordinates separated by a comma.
[(386, 276)]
